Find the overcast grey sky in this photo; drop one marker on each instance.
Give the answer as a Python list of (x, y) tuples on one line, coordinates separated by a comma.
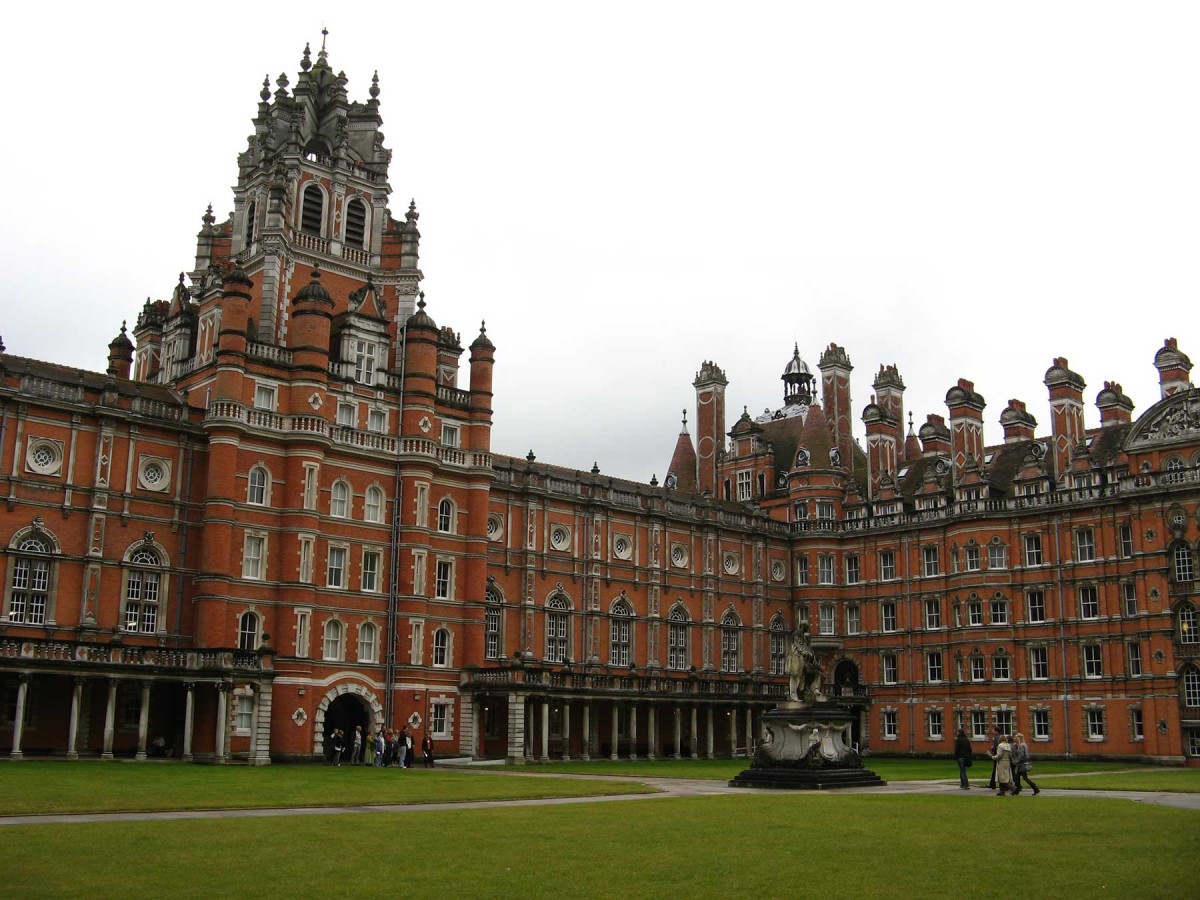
[(626, 189)]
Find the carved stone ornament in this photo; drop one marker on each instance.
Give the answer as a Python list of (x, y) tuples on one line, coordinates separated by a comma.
[(299, 716), (1180, 421), (425, 424), (148, 538), (315, 401)]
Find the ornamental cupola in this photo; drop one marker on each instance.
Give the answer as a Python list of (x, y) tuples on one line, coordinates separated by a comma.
[(798, 381)]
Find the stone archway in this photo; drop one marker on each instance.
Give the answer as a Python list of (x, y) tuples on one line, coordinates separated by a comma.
[(845, 674), (357, 703)]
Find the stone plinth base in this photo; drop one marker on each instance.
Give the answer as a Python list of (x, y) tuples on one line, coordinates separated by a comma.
[(806, 779)]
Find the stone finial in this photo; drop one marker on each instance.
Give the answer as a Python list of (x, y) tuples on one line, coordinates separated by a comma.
[(306, 61), (596, 468), (208, 219), (374, 89), (265, 93), (530, 457)]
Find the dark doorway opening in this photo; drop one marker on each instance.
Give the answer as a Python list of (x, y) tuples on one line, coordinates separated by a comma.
[(347, 712)]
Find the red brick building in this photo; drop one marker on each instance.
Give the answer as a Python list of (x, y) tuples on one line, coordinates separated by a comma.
[(278, 513)]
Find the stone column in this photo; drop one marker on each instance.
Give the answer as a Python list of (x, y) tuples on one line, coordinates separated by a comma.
[(143, 721), (733, 733), (633, 731), (110, 715), (73, 726), (222, 721), (695, 732), (545, 757), (652, 731), (566, 754), (516, 728), (709, 741), (587, 730), (616, 714), (678, 728), (189, 720), (256, 696), (749, 730), (19, 720)]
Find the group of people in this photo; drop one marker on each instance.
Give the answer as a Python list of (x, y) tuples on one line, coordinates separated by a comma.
[(380, 749), (1011, 762)]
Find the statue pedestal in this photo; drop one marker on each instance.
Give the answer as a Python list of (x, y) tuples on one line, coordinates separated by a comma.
[(806, 748)]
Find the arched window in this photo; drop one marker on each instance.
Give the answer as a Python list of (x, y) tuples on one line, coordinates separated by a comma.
[(1191, 686), (356, 224), (30, 585), (441, 648), (332, 644), (144, 590), (492, 623), (779, 641), (620, 633), (312, 214), (251, 223), (260, 480), (368, 643), (730, 657), (1187, 624), (446, 516), (373, 505), (1185, 570), (679, 656), (248, 631), (557, 624), (1174, 470), (339, 500)]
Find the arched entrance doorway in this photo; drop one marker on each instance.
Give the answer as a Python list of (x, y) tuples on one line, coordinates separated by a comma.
[(347, 712), (845, 674)]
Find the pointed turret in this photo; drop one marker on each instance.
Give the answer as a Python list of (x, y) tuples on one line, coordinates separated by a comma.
[(120, 355), (681, 473)]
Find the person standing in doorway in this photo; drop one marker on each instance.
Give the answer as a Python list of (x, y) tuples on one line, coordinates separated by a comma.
[(339, 747), (357, 749), (379, 748), (963, 754), (996, 735), (427, 750)]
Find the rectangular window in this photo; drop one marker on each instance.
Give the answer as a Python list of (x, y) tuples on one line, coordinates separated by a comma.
[(1001, 670), (1094, 719), (853, 620), (828, 618), (932, 560), (999, 612), (254, 556), (974, 613), (377, 420), (933, 613), (887, 616), (1004, 721), (1033, 549), (264, 397), (491, 630), (853, 571), (419, 573), (303, 616), (1035, 603), (347, 415), (1125, 540), (800, 511), (1089, 603), (1093, 662), (824, 569), (1039, 663), (978, 669), (245, 713), (1129, 592), (889, 668), (417, 650), (825, 511), (1085, 545), (743, 485), (439, 721), (371, 560), (305, 569), (801, 570), (972, 559), (1137, 728), (779, 642), (933, 667), (364, 362), (444, 579), (310, 486), (450, 436), (422, 501), (891, 725), (997, 556), (933, 724), (887, 565), (1133, 659), (1041, 724), (979, 725), (335, 574)]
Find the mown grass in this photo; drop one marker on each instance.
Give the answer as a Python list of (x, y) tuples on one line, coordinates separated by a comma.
[(1183, 781), (749, 845), (61, 787)]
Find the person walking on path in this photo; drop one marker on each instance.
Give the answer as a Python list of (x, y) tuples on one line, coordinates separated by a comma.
[(963, 754), (1004, 771), (1021, 765), (427, 751), (996, 735)]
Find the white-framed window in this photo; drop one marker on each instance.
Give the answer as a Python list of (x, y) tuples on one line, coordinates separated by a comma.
[(439, 720), (416, 650), (825, 511), (334, 640), (492, 623), (933, 725), (373, 504), (372, 562), (932, 559), (974, 613), (422, 504), (997, 555), (1039, 663), (265, 396), (679, 655), (1094, 722), (1185, 569), (1191, 687), (802, 569), (31, 580), (979, 725), (827, 618), (933, 666), (1004, 721), (377, 420), (445, 518), (744, 485), (1085, 545), (1035, 605), (1001, 668), (364, 361), (310, 485), (143, 590), (339, 499), (853, 619), (1125, 540), (1186, 624), (441, 648), (418, 568), (1093, 661), (887, 565), (368, 643), (971, 557), (888, 668), (891, 725), (1033, 550), (619, 637), (1129, 595), (1137, 727), (303, 618), (259, 486), (335, 572), (1133, 659), (824, 568), (978, 668), (1041, 724), (853, 570), (248, 628), (451, 435), (779, 643), (557, 629), (443, 582), (887, 615), (347, 415), (999, 611), (1089, 602), (307, 549), (933, 613), (244, 717), (730, 643)]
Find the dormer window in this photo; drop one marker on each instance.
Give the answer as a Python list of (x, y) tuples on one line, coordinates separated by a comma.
[(364, 362), (312, 212), (356, 224)]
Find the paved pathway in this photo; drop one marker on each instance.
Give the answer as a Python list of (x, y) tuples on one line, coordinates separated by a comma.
[(667, 787)]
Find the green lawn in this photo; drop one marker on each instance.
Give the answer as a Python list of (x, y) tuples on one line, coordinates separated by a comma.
[(55, 787), (749, 845)]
